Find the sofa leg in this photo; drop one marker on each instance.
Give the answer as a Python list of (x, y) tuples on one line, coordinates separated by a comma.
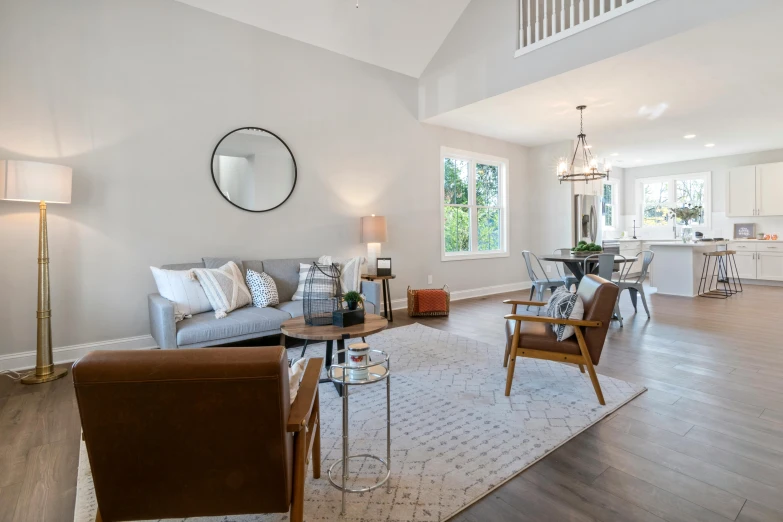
[(282, 340), (582, 368)]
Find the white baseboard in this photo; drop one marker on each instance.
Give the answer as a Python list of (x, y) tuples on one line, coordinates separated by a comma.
[(26, 360), (458, 295)]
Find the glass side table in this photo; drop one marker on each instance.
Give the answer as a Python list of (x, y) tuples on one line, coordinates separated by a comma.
[(349, 375)]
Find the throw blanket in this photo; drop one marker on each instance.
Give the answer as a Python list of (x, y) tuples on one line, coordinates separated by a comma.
[(350, 270), (431, 300)]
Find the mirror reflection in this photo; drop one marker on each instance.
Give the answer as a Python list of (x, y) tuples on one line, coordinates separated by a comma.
[(254, 169)]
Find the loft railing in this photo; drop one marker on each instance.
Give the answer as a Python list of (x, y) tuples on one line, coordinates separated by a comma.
[(542, 22)]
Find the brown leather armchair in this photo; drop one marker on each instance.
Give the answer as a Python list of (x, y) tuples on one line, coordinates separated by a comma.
[(532, 336), (201, 432)]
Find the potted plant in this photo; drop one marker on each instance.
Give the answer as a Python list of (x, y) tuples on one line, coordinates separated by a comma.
[(687, 214), (352, 299)]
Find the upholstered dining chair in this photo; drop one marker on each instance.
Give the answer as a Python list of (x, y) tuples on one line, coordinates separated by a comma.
[(539, 284), (197, 432), (532, 336)]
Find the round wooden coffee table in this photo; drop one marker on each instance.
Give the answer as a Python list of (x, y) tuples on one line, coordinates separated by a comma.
[(297, 329)]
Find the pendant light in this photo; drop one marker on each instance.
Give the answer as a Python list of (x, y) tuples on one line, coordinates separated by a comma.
[(584, 167)]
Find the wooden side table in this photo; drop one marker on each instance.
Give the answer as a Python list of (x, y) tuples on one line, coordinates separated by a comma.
[(387, 310), (297, 329)]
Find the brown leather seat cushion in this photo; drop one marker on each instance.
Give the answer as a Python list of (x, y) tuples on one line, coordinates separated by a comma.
[(540, 336)]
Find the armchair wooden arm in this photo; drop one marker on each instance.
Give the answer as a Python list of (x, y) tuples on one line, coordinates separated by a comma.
[(552, 320), (302, 407), (524, 303)]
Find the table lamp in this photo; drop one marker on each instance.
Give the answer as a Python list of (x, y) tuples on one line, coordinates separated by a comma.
[(373, 233), (40, 183)]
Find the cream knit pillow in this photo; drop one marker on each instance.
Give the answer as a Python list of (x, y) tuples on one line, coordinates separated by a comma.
[(225, 287)]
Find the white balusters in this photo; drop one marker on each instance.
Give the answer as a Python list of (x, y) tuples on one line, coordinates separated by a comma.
[(562, 16), (546, 21)]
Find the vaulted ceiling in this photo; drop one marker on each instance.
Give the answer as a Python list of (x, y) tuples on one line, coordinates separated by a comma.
[(400, 35), (719, 83)]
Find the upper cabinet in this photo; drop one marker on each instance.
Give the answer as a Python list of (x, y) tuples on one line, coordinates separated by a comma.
[(755, 190), (741, 193), (769, 189)]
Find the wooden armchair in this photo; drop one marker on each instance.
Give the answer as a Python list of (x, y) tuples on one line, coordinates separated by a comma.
[(199, 432), (532, 336)]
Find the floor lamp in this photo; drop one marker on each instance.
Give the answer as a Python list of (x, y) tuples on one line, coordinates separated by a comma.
[(40, 183)]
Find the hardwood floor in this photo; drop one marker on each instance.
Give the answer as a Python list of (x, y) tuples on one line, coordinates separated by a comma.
[(704, 443)]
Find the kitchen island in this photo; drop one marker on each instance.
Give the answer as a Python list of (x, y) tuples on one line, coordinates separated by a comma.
[(679, 266)]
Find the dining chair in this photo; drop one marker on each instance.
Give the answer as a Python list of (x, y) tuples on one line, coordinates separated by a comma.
[(606, 264), (539, 284), (566, 275), (635, 284)]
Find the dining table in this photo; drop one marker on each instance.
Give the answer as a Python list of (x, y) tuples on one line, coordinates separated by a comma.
[(575, 263)]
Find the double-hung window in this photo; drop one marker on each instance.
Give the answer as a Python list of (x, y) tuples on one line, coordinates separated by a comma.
[(657, 198), (610, 204), (474, 205)]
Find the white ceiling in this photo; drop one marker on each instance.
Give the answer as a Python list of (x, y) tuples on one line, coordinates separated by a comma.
[(722, 82), (400, 35)]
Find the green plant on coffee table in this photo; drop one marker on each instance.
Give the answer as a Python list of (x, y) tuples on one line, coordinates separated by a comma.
[(352, 299), (583, 247)]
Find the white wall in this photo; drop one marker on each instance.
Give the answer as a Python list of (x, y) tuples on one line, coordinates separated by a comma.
[(722, 226), (551, 202), (134, 95), (476, 61)]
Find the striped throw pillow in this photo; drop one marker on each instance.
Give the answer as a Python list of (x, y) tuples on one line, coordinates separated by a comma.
[(564, 305), (225, 287), (299, 294)]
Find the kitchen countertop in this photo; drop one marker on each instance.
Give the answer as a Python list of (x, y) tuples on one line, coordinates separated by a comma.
[(688, 245), (680, 240)]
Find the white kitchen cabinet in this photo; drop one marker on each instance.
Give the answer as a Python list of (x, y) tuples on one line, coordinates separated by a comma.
[(755, 190), (746, 264), (741, 193), (769, 266), (769, 189)]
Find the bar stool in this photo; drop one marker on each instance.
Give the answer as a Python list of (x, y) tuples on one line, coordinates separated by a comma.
[(730, 265), (705, 283)]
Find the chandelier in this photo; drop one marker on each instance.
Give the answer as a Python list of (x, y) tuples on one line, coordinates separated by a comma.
[(586, 167)]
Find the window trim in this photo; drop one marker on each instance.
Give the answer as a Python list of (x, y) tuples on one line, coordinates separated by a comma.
[(614, 184), (472, 158), (672, 179)]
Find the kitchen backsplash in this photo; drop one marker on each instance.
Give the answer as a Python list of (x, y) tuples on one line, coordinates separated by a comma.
[(721, 226)]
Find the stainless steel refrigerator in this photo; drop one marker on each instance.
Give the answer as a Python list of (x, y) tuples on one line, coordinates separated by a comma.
[(588, 219)]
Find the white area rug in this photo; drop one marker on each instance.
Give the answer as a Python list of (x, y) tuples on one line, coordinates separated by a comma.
[(455, 436)]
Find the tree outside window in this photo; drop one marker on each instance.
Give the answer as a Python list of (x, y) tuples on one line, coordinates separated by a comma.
[(473, 207)]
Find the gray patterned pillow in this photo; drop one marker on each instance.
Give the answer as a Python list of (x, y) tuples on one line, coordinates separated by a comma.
[(263, 289), (564, 305)]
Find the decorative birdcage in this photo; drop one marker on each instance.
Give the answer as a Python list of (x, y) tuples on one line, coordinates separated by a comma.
[(322, 294)]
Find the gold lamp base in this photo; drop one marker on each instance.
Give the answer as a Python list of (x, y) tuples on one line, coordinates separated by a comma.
[(52, 375)]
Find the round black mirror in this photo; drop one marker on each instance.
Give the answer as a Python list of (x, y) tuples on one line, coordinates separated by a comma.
[(254, 169)]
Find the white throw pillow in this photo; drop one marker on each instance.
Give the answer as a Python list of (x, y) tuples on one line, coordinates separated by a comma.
[(299, 294), (263, 289), (225, 287), (565, 305), (295, 373), (187, 295)]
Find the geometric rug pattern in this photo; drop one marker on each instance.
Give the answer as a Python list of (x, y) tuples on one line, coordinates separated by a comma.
[(455, 436)]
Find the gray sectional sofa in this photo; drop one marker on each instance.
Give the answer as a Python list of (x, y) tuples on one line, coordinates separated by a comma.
[(245, 323)]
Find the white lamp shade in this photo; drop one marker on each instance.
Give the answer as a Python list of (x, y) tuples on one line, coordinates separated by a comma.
[(34, 181), (373, 229)]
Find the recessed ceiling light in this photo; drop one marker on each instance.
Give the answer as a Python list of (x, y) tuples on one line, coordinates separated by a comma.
[(710, 145), (689, 136), (588, 146), (615, 153)]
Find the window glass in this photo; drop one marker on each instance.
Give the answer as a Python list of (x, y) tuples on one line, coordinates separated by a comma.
[(655, 204)]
